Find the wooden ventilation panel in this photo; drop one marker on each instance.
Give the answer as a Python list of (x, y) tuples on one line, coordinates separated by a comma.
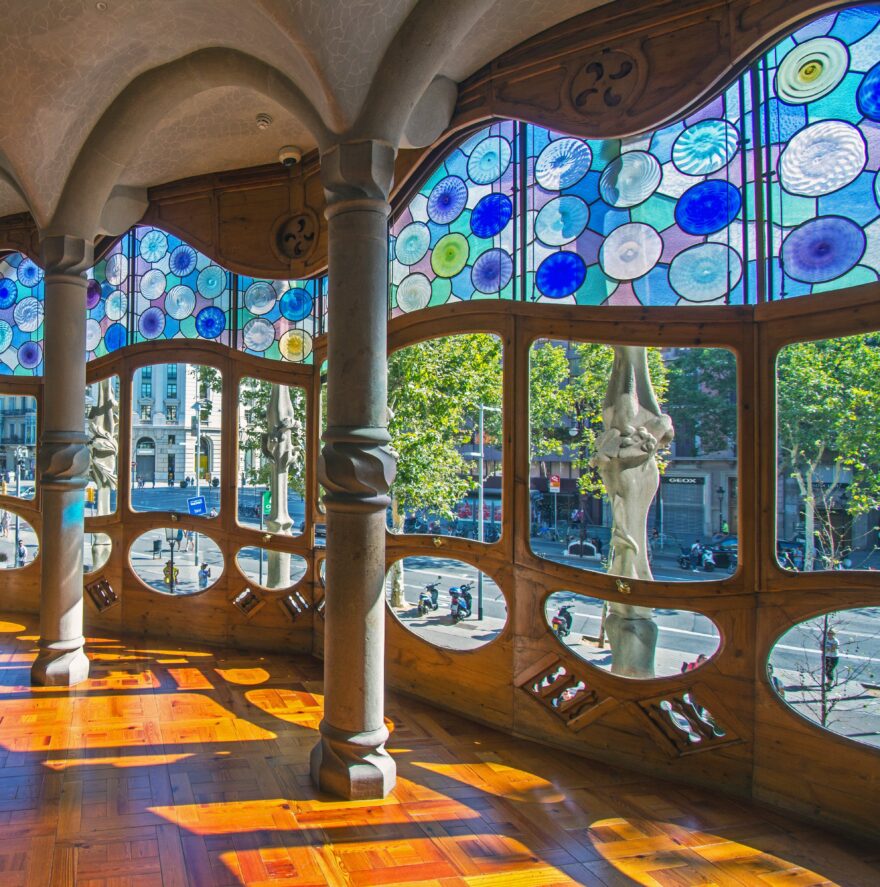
[(102, 594), (248, 602), (294, 605)]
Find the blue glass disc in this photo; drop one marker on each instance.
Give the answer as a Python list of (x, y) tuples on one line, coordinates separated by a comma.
[(560, 275), (705, 147), (561, 220), (5, 335), (154, 246), (630, 179), (868, 95), (706, 272), (152, 323), (182, 260), (822, 249), (29, 355), (8, 292), (29, 273), (447, 199), (491, 215), (492, 271), (412, 243), (563, 163), (210, 322), (211, 282), (296, 304), (707, 207), (489, 160), (114, 337)]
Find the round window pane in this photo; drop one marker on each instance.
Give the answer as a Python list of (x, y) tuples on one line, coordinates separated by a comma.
[(18, 541), (172, 560)]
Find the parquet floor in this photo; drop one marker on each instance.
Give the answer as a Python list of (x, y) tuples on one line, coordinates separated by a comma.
[(189, 766)]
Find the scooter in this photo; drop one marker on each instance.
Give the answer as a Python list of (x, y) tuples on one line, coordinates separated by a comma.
[(561, 622), (428, 597), (460, 606)]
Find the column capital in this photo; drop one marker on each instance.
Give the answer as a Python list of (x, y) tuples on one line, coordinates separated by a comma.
[(357, 171), (63, 254)]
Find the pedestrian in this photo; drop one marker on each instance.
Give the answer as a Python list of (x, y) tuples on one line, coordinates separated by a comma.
[(189, 536), (204, 575), (213, 512), (830, 655), (775, 682), (169, 574), (21, 556), (4, 524), (690, 666)]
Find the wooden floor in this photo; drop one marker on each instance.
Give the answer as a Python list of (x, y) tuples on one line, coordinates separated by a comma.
[(175, 767)]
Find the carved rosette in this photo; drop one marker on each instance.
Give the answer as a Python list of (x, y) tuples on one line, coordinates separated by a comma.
[(63, 461), (357, 468)]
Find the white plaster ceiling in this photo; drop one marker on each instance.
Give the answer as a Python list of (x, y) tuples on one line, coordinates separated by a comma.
[(65, 61)]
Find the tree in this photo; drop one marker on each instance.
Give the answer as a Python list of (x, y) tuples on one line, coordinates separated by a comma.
[(828, 401), (435, 389)]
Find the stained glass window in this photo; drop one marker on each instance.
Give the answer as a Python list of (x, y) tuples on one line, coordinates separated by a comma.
[(107, 303), (21, 316)]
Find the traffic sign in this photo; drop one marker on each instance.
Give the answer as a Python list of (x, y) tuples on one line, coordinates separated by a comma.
[(197, 506), (554, 483), (267, 502)]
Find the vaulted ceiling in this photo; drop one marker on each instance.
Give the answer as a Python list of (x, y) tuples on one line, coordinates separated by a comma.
[(66, 61)]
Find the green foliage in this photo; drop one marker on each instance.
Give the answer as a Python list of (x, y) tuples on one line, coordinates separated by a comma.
[(435, 389)]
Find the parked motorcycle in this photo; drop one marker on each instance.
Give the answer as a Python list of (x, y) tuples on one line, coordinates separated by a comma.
[(460, 601), (561, 622), (428, 597), (699, 558)]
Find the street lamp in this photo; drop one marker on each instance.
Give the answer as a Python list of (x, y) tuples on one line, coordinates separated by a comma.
[(21, 455), (171, 538), (481, 456), (720, 492), (197, 408)]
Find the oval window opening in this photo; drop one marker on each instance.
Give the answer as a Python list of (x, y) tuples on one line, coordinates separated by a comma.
[(271, 569), (18, 541), (827, 669), (441, 600), (669, 642), (175, 561), (96, 551)]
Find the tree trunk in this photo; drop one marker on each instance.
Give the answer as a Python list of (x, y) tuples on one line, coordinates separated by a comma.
[(809, 526), (398, 601)]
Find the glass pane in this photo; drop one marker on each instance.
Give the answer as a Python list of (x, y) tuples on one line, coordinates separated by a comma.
[(176, 561), (107, 289), (271, 569), (271, 456), (96, 551), (828, 454), (442, 393), (828, 670), (175, 439), (18, 541), (684, 640), (102, 429), (446, 602), (21, 316), (277, 317), (644, 494), (18, 445)]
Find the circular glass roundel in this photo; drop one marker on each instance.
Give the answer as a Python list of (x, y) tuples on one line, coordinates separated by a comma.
[(630, 251), (11, 556), (180, 302), (153, 284), (28, 314), (259, 298), (152, 323), (491, 215), (811, 70), (562, 220), (93, 334), (93, 294), (447, 200), (822, 158), (413, 293), (210, 322), (116, 269), (685, 640), (868, 95), (116, 305), (211, 281), (450, 255), (412, 243), (563, 163), (179, 571), (154, 246), (822, 249), (705, 147), (705, 272), (489, 160), (8, 292), (296, 304), (258, 334), (270, 569), (29, 273), (419, 591), (707, 207), (5, 335), (630, 179), (182, 260), (295, 345), (492, 271), (96, 551), (560, 275), (29, 355), (114, 336)]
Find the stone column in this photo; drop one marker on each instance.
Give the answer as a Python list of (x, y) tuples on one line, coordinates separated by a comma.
[(356, 468), (63, 464)]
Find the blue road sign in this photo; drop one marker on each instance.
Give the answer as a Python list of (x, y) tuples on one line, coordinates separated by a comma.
[(197, 506)]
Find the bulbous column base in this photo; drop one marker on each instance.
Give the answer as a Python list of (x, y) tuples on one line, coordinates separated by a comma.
[(633, 642), (354, 766), (60, 668)]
